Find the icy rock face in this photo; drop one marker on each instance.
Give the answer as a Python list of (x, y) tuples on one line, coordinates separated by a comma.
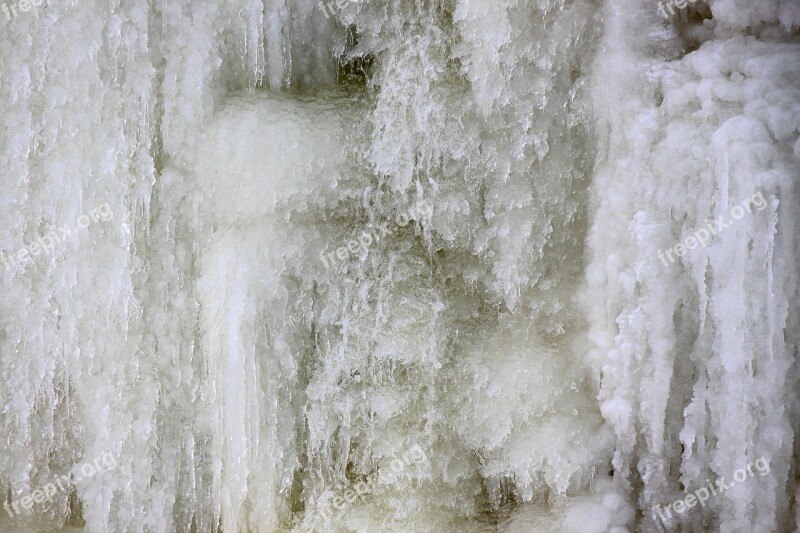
[(698, 353), (508, 352)]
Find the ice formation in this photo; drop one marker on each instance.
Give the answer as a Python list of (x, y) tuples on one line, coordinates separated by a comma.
[(522, 359)]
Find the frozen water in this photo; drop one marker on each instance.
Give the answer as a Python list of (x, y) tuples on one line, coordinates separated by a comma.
[(522, 357)]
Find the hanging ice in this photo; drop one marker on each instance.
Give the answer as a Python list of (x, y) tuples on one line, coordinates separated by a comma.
[(555, 345)]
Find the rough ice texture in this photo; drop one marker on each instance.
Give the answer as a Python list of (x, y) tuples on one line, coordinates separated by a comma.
[(557, 374), (698, 357)]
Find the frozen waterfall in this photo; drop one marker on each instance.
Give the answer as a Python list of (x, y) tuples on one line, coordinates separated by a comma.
[(400, 265)]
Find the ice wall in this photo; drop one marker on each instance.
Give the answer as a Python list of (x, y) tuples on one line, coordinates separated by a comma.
[(697, 353), (99, 343), (517, 345)]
